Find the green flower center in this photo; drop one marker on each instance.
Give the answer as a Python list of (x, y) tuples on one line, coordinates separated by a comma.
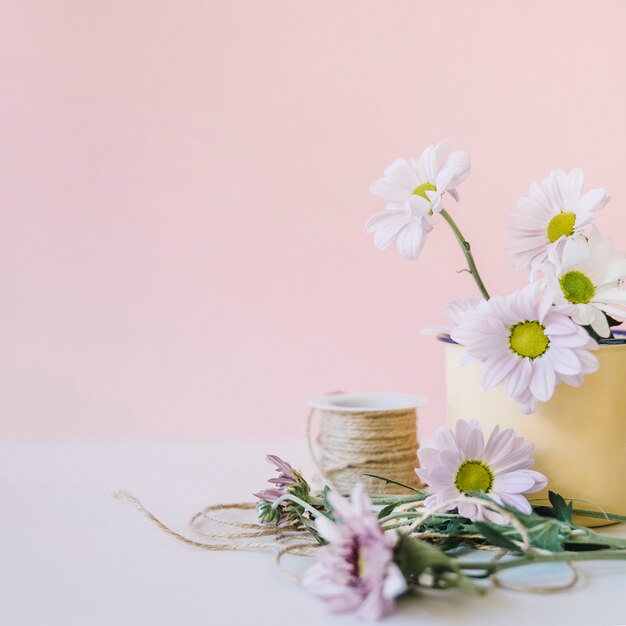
[(421, 190), (577, 287), (529, 339), (561, 224), (473, 476)]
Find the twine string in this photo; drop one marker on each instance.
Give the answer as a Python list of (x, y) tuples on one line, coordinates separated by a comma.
[(283, 538), (453, 503), (309, 440), (297, 549), (351, 444), (541, 589), (215, 547), (256, 530), (370, 442)]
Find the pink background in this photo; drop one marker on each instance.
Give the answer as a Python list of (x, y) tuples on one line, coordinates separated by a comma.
[(184, 187)]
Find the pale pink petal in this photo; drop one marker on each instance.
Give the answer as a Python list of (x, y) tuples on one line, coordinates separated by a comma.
[(388, 191), (513, 482)]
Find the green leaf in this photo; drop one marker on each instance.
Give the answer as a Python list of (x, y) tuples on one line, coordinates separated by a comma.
[(562, 510), (327, 505), (416, 557), (612, 321), (593, 333), (543, 532), (493, 534), (543, 511), (454, 525), (548, 534), (390, 508), (310, 526)]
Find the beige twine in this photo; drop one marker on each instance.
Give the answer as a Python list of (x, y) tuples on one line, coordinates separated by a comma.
[(282, 535), (262, 531), (372, 442), (351, 444), (287, 539), (498, 582), (256, 530), (450, 504)]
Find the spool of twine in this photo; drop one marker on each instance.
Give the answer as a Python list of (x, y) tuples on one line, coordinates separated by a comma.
[(367, 434)]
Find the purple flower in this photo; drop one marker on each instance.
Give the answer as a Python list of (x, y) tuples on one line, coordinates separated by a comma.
[(287, 477), (287, 481), (461, 461), (355, 571)]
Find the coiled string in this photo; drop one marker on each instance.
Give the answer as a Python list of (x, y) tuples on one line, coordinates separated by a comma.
[(351, 444)]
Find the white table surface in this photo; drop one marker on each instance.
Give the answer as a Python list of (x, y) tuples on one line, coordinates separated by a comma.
[(72, 555)]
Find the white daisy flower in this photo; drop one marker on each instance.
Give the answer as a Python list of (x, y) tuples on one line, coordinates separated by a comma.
[(549, 215), (413, 190), (454, 312), (461, 462), (585, 278), (527, 344)]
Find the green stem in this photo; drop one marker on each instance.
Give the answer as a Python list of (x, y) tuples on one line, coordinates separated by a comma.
[(380, 499), (411, 514), (467, 251), (596, 555), (600, 539), (305, 505), (389, 481), (613, 517)]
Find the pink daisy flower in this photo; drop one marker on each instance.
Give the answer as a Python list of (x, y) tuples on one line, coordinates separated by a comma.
[(551, 213), (460, 462), (454, 312), (412, 190), (586, 278), (355, 571), (288, 481), (528, 345)]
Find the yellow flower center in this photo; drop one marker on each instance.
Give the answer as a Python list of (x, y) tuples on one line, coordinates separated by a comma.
[(561, 224), (473, 476), (421, 190), (529, 339), (361, 563), (577, 287)]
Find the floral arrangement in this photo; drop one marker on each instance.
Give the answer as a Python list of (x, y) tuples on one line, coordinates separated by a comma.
[(370, 550), (476, 520), (545, 334)]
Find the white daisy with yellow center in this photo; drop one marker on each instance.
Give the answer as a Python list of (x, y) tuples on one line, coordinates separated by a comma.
[(527, 344), (412, 190), (460, 462), (585, 278), (552, 213)]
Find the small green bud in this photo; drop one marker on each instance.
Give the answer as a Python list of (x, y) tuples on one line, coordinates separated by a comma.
[(267, 514), (301, 488)]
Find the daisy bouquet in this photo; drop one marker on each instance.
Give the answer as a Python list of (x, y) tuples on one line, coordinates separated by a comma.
[(369, 550), (544, 334), (364, 552)]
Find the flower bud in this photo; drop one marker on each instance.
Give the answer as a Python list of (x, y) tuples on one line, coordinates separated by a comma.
[(267, 514)]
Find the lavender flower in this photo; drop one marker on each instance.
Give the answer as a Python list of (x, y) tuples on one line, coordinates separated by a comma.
[(288, 481), (355, 571), (461, 462)]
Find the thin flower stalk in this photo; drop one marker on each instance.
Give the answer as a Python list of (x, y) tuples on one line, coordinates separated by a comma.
[(467, 251), (490, 568), (305, 505)]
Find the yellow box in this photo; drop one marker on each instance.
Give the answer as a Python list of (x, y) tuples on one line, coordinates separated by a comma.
[(579, 435)]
